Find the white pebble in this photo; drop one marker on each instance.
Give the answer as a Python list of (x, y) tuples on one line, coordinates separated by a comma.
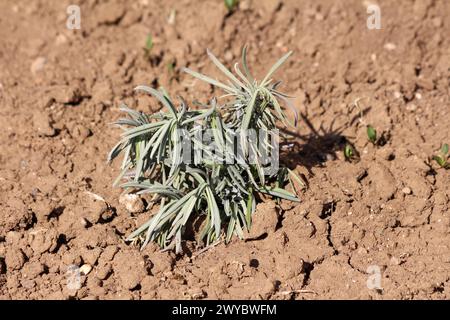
[(390, 46), (411, 107), (397, 94), (85, 269), (132, 202), (228, 56), (406, 190)]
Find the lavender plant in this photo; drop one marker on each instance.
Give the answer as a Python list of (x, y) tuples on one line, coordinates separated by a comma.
[(216, 182)]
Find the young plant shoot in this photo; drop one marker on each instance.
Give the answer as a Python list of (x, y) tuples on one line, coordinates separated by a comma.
[(442, 157)]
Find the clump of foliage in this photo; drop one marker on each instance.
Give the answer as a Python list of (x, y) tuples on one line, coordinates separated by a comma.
[(223, 193), (442, 157)]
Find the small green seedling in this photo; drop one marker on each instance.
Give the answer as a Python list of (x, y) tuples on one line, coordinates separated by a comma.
[(371, 134), (348, 152), (148, 45), (442, 157), (171, 67), (231, 4)]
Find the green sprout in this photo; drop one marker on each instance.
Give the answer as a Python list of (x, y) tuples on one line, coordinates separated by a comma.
[(371, 134), (442, 157), (223, 194), (231, 4), (171, 67), (148, 45), (348, 152)]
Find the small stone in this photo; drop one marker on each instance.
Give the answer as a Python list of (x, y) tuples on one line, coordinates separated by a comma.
[(132, 202), (196, 294), (103, 271), (90, 256), (43, 241), (109, 253), (85, 269), (85, 223), (71, 259), (94, 211), (38, 65), (228, 56), (14, 259), (406, 190), (411, 107), (80, 133), (390, 46), (32, 270), (28, 283), (107, 215)]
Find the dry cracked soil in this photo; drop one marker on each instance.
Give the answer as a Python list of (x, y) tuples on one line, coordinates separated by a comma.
[(386, 211)]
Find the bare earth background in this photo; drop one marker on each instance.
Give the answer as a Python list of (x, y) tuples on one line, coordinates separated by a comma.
[(60, 90)]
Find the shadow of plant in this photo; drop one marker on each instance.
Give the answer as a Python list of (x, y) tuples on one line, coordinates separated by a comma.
[(315, 148)]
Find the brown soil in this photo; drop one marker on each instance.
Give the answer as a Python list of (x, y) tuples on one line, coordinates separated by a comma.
[(60, 90)]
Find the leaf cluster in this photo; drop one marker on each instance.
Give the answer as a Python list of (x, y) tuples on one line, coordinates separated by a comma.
[(223, 193)]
